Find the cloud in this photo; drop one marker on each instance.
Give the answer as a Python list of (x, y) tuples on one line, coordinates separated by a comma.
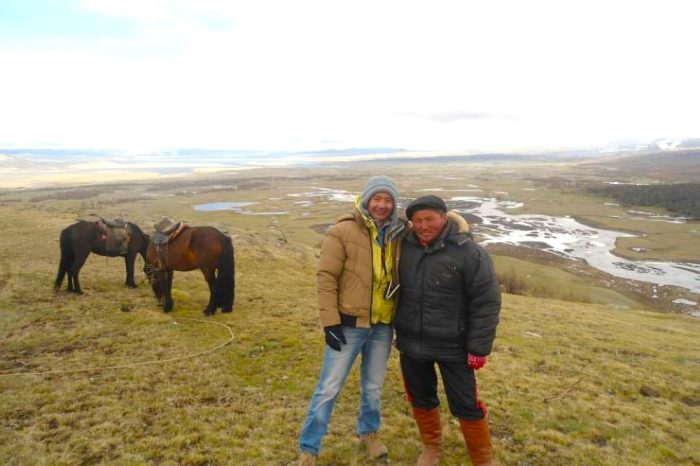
[(318, 74), (449, 117)]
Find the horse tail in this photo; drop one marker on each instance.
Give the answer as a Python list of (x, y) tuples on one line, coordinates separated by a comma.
[(66, 257), (225, 284)]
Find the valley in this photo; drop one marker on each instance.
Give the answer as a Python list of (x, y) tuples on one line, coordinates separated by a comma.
[(588, 366)]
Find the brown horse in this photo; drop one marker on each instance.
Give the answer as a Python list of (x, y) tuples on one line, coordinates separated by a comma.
[(80, 239), (204, 248)]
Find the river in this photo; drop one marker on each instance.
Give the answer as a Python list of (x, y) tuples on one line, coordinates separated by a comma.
[(566, 237)]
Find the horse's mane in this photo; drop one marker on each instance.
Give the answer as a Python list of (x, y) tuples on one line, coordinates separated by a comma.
[(138, 230)]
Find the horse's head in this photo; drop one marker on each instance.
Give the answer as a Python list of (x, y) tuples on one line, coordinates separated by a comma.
[(145, 239), (148, 270), (150, 258), (155, 276)]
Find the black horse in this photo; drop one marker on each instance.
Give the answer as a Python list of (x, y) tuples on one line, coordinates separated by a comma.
[(82, 238)]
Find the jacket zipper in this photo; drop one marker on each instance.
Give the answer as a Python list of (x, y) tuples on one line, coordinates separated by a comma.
[(422, 290), (371, 287)]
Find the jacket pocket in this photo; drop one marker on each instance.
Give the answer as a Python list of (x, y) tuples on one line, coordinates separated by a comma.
[(446, 276)]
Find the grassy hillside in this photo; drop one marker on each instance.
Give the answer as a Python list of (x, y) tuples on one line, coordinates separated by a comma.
[(563, 384), (542, 281), (666, 166)]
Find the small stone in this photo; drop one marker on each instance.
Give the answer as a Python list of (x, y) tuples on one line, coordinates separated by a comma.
[(648, 391)]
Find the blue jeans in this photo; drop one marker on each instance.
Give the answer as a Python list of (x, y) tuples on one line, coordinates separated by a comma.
[(375, 345)]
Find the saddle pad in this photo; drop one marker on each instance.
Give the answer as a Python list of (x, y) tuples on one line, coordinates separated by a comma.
[(117, 240), (159, 238)]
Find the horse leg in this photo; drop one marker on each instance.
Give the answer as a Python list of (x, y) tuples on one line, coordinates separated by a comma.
[(167, 288), (129, 260), (75, 271), (71, 287), (210, 278)]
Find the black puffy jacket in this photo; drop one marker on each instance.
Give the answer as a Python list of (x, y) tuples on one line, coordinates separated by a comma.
[(450, 298)]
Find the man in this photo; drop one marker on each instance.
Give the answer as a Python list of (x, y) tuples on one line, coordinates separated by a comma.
[(357, 278), (448, 313)]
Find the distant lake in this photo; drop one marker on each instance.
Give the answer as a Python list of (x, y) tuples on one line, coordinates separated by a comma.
[(234, 205)]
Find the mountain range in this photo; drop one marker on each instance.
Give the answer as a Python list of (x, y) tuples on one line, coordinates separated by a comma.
[(23, 160)]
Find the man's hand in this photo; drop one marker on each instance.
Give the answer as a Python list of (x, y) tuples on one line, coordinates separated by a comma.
[(475, 362), (334, 336)]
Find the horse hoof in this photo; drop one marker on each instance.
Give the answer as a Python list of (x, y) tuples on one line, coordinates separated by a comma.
[(227, 310), (132, 286)]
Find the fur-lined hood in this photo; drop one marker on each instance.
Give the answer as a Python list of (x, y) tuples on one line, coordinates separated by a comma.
[(455, 217)]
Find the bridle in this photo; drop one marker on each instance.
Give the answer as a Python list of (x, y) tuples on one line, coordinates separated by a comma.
[(158, 264)]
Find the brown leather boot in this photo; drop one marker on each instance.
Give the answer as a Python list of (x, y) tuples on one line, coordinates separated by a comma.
[(375, 447), (478, 439), (430, 429), (307, 459)]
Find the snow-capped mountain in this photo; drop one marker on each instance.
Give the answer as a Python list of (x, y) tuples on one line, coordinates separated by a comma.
[(12, 162), (675, 144), (660, 144)]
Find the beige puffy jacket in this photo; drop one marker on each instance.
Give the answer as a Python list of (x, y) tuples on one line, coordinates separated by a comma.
[(344, 274)]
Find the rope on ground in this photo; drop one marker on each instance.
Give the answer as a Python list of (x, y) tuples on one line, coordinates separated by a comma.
[(137, 364), (564, 393)]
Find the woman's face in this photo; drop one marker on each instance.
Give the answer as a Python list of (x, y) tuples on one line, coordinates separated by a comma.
[(380, 206)]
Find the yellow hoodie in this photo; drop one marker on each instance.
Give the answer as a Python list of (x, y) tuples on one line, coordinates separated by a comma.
[(382, 309)]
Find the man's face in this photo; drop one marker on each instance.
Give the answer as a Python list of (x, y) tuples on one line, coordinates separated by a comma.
[(380, 206), (428, 224)]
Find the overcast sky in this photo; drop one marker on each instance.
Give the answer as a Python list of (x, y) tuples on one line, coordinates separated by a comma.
[(297, 74)]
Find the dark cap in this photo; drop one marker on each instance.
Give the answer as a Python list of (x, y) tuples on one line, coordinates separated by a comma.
[(425, 202)]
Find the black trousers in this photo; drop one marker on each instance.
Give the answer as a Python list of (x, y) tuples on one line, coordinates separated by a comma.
[(420, 382)]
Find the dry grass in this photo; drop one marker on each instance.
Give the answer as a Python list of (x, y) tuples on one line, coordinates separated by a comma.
[(563, 385)]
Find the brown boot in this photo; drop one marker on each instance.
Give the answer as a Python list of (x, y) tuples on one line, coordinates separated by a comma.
[(430, 429), (478, 439), (375, 448), (307, 459)]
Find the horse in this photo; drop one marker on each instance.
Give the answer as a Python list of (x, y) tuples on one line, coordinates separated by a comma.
[(80, 239), (204, 248)]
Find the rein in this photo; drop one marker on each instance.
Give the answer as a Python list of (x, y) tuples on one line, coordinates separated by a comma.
[(161, 262), (137, 364)]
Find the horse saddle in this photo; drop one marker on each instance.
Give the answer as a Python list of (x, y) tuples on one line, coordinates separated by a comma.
[(166, 230), (117, 234)]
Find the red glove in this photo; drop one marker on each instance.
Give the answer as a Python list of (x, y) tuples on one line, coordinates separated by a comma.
[(475, 362)]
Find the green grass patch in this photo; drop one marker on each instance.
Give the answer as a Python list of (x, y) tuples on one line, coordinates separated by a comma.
[(563, 385), (543, 281)]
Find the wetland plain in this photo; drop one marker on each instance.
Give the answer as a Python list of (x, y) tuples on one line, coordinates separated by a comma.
[(583, 340)]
